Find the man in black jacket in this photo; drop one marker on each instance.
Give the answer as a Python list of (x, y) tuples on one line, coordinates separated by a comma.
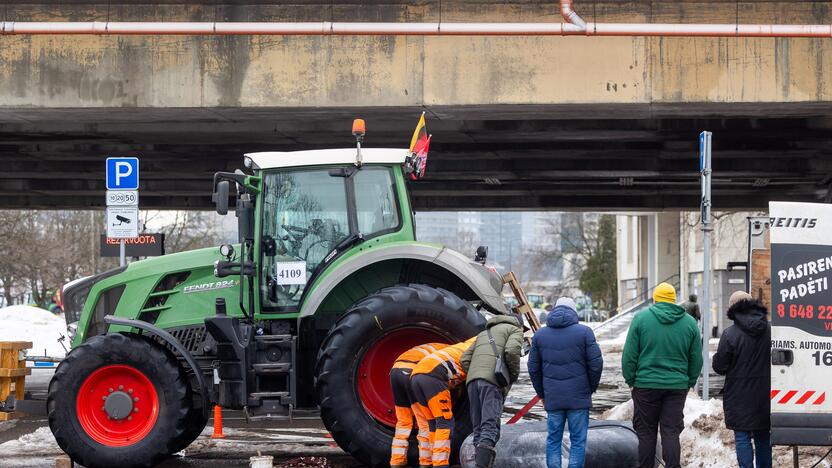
[(744, 357)]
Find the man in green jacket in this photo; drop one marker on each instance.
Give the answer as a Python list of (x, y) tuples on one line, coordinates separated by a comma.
[(662, 359), (485, 395)]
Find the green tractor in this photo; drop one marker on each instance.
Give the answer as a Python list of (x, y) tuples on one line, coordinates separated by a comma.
[(326, 287)]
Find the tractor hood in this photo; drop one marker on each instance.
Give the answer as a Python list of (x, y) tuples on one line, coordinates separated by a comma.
[(147, 289)]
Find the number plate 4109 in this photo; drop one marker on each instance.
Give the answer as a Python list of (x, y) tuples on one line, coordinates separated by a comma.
[(286, 273)]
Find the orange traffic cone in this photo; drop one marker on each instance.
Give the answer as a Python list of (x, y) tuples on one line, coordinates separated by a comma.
[(217, 423)]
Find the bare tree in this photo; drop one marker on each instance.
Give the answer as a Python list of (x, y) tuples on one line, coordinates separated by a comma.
[(584, 251), (42, 250), (184, 230)]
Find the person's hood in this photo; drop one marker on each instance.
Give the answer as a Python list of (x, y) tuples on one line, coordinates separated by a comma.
[(509, 319), (666, 312), (749, 316), (561, 317)]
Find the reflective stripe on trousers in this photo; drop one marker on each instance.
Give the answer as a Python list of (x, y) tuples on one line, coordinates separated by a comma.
[(404, 426), (400, 385), (442, 442), (435, 400), (424, 434)]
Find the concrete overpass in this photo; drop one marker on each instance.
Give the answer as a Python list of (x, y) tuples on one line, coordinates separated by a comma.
[(518, 122)]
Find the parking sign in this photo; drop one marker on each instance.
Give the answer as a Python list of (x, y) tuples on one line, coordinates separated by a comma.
[(122, 173)]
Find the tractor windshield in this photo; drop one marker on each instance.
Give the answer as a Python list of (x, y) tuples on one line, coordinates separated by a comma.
[(307, 213)]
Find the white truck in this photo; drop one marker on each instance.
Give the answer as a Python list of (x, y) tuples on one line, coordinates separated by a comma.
[(801, 323)]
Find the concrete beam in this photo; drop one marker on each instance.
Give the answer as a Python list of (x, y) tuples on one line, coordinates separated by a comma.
[(434, 72)]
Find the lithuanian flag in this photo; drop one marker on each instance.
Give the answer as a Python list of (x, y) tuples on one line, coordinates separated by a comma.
[(420, 136)]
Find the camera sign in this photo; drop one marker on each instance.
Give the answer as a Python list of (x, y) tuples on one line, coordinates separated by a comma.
[(122, 197), (122, 222)]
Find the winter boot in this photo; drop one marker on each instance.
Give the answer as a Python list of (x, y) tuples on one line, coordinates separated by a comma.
[(484, 456)]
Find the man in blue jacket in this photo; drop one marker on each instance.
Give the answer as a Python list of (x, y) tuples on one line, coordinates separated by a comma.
[(565, 366)]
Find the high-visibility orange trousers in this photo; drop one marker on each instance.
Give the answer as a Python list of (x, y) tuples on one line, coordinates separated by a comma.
[(406, 410), (434, 398), (424, 435)]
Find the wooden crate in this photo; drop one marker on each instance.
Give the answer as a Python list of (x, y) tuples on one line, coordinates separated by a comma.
[(13, 372)]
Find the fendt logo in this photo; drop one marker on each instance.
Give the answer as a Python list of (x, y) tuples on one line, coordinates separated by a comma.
[(808, 223), (195, 288)]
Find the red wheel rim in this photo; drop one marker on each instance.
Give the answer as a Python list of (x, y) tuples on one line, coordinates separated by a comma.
[(125, 384), (373, 378)]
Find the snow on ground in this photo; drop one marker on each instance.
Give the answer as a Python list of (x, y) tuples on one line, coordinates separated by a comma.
[(35, 444), (617, 341), (707, 443), (41, 327)]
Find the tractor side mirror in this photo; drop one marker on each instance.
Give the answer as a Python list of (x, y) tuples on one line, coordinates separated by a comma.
[(220, 197), (481, 255)]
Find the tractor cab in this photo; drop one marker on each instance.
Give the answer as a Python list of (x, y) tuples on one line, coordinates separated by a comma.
[(311, 214)]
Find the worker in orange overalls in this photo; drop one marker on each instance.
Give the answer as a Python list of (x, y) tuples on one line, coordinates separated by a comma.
[(405, 410), (432, 381)]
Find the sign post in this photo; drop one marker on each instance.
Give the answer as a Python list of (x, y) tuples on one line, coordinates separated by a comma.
[(705, 172), (122, 201)]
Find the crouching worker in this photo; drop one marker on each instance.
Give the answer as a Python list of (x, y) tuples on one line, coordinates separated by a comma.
[(432, 381), (503, 337), (405, 403)]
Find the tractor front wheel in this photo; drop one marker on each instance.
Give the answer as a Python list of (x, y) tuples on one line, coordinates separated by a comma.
[(118, 400), (353, 368)]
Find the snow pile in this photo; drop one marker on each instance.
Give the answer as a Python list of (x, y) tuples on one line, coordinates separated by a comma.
[(706, 443), (38, 443), (41, 327), (622, 412)]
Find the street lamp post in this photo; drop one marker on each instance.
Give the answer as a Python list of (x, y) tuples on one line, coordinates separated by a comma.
[(511, 253), (705, 169)]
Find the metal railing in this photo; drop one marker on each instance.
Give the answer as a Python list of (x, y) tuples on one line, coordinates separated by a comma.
[(636, 303)]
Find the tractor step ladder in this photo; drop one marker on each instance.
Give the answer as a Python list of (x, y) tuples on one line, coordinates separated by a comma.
[(13, 372), (274, 368), (525, 309)]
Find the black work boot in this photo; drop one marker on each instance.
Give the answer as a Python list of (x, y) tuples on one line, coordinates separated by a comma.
[(484, 456)]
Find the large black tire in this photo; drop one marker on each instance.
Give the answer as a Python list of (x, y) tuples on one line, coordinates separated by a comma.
[(394, 311), (195, 423), (140, 354)]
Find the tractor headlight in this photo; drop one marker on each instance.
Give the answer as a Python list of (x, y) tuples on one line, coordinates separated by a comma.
[(70, 331)]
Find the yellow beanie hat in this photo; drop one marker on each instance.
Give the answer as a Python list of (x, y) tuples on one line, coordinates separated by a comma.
[(664, 293)]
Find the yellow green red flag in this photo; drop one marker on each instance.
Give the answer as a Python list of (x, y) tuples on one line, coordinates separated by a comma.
[(419, 135)]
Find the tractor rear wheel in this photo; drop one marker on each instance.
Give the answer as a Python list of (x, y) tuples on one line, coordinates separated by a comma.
[(352, 372), (118, 400)]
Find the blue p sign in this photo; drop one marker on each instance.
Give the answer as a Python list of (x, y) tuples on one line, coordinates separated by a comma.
[(122, 173)]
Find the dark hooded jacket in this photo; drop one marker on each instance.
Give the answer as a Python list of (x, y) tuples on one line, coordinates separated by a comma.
[(565, 362), (744, 358)]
